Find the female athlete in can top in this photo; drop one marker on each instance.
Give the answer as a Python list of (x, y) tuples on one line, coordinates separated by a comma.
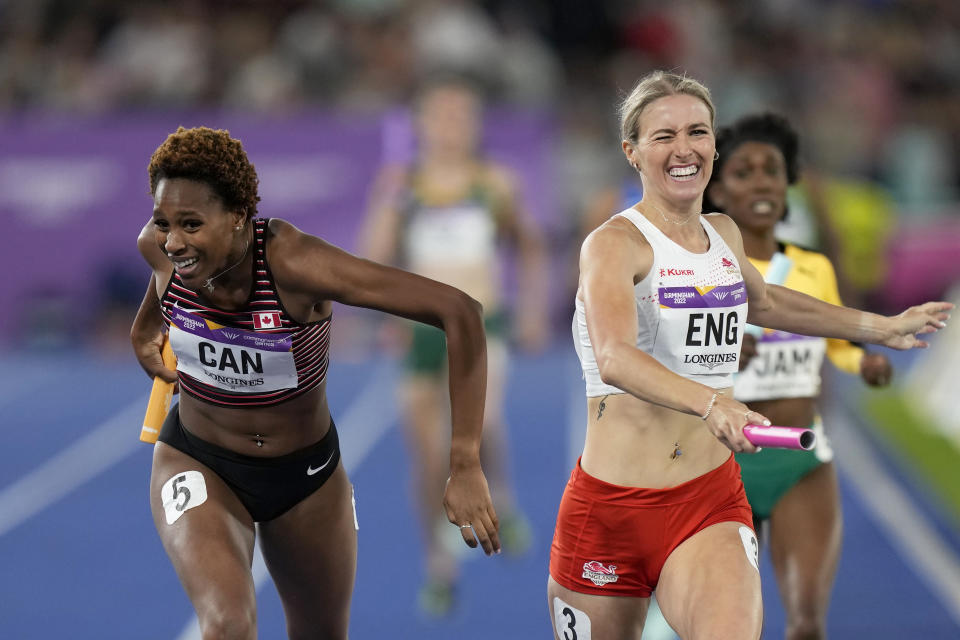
[(251, 449), (794, 492), (656, 501)]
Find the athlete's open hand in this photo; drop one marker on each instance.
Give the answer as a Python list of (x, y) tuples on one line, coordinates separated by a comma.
[(468, 505), (924, 318)]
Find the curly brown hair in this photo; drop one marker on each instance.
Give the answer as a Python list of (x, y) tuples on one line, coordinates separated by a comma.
[(210, 156)]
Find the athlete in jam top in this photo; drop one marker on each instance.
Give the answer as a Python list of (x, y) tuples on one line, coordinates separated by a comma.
[(251, 449), (656, 501), (794, 491), (445, 217)]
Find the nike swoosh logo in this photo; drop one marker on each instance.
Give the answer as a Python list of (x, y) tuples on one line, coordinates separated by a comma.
[(311, 471)]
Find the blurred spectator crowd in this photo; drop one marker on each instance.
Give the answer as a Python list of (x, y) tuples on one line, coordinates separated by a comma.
[(873, 86)]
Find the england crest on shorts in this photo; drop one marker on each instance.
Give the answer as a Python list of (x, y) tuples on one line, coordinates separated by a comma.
[(598, 574)]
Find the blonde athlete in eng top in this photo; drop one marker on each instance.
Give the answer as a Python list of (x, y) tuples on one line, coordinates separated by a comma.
[(656, 501)]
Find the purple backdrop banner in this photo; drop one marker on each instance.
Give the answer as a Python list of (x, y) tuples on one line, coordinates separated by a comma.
[(74, 192)]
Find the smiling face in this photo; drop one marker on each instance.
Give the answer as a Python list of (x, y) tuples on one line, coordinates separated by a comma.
[(674, 149), (752, 186), (193, 228)]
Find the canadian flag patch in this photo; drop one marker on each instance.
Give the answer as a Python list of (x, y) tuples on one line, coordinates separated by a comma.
[(266, 320)]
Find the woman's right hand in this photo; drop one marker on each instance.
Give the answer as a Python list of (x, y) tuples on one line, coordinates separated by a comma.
[(147, 348), (147, 334), (726, 421)]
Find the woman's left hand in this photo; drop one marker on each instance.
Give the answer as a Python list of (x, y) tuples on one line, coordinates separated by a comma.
[(469, 506), (924, 318), (876, 370)]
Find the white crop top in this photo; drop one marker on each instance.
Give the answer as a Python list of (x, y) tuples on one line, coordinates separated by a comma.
[(691, 311)]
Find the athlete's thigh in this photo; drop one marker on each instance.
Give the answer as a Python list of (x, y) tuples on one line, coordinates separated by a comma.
[(311, 551), (805, 536), (424, 424), (423, 400), (581, 616), (205, 530), (710, 585)]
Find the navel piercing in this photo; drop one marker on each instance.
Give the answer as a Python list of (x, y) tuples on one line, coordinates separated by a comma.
[(676, 451), (258, 440)]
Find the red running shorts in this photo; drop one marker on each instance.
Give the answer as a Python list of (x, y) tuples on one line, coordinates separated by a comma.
[(613, 541)]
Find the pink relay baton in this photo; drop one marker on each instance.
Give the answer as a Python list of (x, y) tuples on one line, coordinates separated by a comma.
[(782, 437)]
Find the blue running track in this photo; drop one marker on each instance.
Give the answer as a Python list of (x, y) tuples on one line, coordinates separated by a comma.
[(80, 558)]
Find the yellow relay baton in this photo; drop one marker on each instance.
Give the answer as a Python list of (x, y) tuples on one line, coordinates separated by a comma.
[(160, 397)]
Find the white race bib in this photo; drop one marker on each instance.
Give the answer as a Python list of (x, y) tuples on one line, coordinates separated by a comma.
[(700, 328), (232, 359), (787, 365), (183, 491)]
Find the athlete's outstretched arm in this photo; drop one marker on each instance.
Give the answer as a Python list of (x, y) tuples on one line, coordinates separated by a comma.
[(790, 310), (307, 266), (781, 308)]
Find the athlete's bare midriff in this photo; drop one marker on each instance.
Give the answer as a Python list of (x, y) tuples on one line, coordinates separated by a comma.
[(633, 442), (479, 280), (282, 428)]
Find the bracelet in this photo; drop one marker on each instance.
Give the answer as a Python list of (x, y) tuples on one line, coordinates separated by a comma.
[(713, 400)]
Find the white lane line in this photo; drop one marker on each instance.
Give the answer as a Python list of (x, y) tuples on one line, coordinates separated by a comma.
[(907, 527), (365, 421), (30, 378), (91, 455), (369, 416)]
